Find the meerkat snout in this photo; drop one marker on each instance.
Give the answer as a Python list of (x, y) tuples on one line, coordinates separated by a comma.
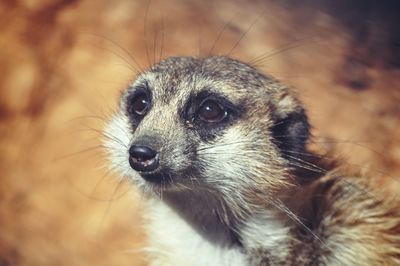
[(143, 158)]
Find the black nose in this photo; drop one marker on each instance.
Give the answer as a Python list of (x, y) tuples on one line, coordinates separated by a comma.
[(143, 158)]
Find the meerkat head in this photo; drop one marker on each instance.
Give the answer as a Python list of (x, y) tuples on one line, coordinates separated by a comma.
[(213, 124)]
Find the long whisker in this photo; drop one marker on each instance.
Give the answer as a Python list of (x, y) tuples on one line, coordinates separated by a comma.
[(280, 206), (260, 59), (220, 34), (162, 39), (78, 152), (109, 204), (245, 33), (137, 66), (145, 31)]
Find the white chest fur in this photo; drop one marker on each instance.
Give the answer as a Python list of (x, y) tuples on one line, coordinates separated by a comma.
[(173, 242)]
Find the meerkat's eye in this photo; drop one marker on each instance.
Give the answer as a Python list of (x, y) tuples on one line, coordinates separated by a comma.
[(211, 112), (140, 104)]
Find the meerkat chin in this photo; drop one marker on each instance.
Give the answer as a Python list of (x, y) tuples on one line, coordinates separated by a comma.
[(219, 151)]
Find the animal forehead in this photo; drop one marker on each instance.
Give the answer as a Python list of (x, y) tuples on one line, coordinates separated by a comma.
[(181, 76), (217, 67)]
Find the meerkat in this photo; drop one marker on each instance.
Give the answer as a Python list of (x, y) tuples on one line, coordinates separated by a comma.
[(219, 150)]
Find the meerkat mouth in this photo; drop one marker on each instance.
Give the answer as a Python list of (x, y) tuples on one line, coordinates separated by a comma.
[(144, 163), (167, 180), (155, 178)]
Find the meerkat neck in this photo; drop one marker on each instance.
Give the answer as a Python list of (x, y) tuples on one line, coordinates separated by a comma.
[(207, 214), (212, 218)]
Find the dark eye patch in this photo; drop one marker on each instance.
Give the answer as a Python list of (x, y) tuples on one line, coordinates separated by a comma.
[(138, 103), (208, 113)]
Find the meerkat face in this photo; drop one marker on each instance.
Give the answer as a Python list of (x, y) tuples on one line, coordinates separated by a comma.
[(212, 124)]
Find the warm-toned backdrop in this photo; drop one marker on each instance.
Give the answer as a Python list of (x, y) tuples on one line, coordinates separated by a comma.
[(63, 64)]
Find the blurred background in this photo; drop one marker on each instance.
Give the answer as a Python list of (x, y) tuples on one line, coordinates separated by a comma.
[(63, 64)]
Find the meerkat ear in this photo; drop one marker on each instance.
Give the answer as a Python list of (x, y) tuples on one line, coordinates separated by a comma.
[(291, 128)]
